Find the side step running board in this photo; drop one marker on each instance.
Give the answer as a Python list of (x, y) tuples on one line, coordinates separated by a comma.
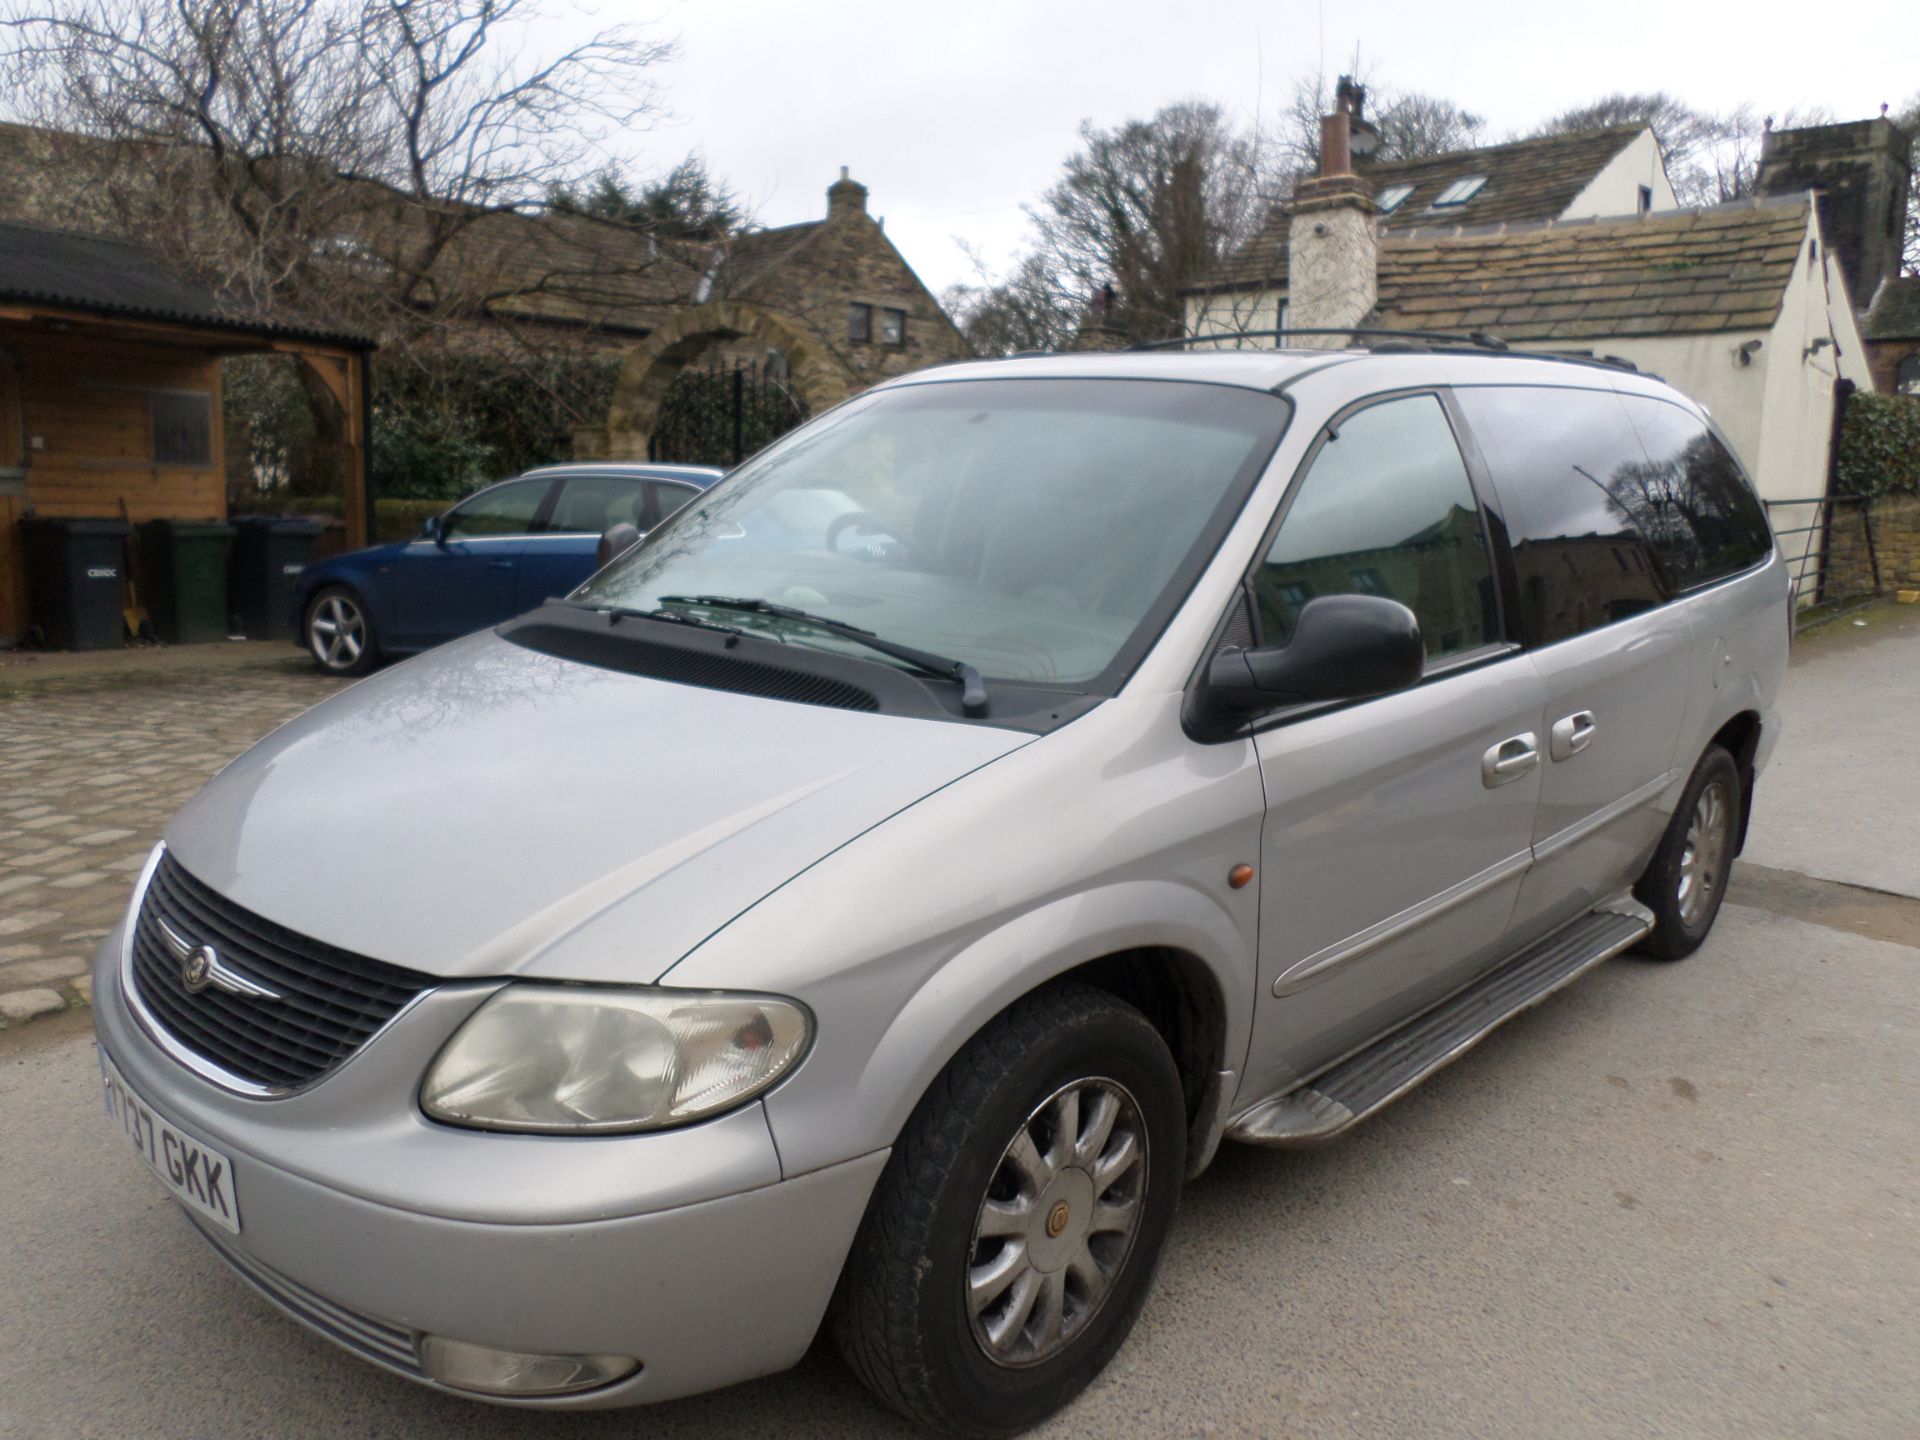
[(1341, 1097)]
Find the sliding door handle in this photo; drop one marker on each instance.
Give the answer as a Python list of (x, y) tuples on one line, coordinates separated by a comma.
[(1571, 735)]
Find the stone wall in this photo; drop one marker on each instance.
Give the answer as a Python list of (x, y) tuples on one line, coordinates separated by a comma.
[(1851, 562)]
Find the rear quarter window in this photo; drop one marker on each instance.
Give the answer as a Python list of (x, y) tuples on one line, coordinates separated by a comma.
[(1693, 503), (1572, 474)]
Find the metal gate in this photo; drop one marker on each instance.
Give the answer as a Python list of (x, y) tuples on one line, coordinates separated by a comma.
[(1831, 552), (720, 414)]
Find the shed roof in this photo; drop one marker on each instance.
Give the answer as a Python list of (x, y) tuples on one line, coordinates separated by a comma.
[(115, 278), (1896, 311)]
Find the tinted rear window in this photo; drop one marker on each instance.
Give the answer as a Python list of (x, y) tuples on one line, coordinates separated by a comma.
[(1571, 473), (1692, 502)]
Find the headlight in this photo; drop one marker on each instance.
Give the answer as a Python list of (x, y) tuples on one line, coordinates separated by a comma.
[(554, 1058)]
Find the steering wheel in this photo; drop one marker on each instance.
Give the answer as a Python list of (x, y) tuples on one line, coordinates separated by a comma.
[(866, 522)]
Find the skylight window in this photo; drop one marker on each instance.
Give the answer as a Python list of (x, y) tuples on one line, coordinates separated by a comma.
[(1459, 192), (1392, 198)]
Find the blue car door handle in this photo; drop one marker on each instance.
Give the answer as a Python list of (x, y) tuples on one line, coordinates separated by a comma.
[(499, 564)]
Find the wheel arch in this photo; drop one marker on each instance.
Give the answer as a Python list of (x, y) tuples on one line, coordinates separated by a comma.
[(1173, 955), (1740, 738)]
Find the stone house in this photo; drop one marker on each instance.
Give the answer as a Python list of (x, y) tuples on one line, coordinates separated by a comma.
[(1614, 170), (829, 305), (1743, 306)]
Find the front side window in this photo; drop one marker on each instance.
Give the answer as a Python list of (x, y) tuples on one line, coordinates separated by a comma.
[(1691, 501), (1040, 530), (1386, 509), (503, 510), (1570, 471)]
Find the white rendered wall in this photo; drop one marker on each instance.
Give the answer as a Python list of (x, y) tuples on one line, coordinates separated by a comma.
[(1616, 189)]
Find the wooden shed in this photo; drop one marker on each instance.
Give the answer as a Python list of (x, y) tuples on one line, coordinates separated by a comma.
[(110, 399)]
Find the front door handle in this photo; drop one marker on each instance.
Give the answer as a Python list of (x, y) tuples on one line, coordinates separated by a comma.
[(499, 564), (1509, 760), (1571, 735)]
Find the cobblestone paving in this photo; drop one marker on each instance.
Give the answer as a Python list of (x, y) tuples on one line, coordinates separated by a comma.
[(87, 780)]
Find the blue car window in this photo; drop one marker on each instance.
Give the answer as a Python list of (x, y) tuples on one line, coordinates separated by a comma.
[(592, 504), (502, 510)]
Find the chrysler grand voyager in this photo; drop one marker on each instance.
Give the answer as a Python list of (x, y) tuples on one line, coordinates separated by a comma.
[(877, 931)]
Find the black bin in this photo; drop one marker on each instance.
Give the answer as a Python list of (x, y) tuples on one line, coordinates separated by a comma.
[(183, 578), (76, 567), (268, 553)]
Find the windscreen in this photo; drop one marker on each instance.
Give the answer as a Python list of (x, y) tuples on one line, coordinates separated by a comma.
[(1035, 529)]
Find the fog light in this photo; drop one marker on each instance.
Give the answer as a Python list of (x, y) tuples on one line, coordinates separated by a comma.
[(509, 1372)]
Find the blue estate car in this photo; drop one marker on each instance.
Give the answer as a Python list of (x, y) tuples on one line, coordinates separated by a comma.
[(500, 551)]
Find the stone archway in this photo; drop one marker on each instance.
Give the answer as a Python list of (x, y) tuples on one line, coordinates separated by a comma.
[(820, 377)]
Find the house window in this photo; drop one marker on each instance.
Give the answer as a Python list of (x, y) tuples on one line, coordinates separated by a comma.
[(893, 327), (1646, 199), (1459, 192), (1906, 378), (1392, 198), (182, 427), (859, 323)]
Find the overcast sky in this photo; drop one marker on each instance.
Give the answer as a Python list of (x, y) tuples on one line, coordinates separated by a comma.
[(956, 114)]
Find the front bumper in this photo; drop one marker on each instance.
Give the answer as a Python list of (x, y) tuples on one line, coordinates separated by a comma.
[(703, 1294)]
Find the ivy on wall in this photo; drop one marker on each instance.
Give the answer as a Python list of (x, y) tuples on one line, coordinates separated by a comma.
[(1880, 446)]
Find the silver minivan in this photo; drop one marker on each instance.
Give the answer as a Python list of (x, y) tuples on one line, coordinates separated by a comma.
[(876, 929)]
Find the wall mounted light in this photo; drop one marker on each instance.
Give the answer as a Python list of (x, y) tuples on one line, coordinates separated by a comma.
[(1743, 354), (1820, 342)]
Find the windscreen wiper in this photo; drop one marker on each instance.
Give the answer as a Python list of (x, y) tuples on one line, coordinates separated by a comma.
[(973, 689), (617, 613)]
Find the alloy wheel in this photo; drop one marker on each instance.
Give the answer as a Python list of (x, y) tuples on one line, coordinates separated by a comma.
[(1703, 858), (1057, 1222), (337, 632)]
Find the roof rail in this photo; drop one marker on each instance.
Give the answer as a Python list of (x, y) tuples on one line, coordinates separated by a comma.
[(1477, 340), (1405, 340)]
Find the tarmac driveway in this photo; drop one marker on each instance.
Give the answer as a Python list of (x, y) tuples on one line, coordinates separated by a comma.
[(1676, 1200)]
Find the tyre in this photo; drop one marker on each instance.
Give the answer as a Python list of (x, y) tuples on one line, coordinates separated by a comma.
[(1687, 878), (1014, 1234), (339, 632)]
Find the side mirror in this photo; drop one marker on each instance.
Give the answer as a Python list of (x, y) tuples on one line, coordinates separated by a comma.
[(434, 528), (1344, 647), (617, 541)]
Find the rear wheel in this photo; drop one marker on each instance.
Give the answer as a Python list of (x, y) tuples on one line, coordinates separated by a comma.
[(339, 632), (1687, 878), (1013, 1237)]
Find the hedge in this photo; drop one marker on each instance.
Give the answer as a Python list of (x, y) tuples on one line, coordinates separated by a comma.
[(392, 519), (1880, 445)]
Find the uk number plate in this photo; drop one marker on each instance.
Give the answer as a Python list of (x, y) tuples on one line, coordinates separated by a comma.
[(200, 1177)]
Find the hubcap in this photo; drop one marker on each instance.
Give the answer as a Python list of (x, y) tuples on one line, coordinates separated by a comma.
[(1703, 861), (337, 632), (1057, 1222)]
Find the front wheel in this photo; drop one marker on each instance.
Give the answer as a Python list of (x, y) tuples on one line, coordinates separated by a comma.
[(1687, 878), (339, 632), (1013, 1237)]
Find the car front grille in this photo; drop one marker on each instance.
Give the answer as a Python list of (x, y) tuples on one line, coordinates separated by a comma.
[(331, 1001), (372, 1339)]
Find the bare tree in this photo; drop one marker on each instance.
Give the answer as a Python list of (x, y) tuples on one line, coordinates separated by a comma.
[(341, 160), (1909, 122), (1027, 310), (1712, 156), (1412, 124), (1148, 207)]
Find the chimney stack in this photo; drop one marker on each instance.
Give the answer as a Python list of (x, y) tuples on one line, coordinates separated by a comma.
[(846, 197), (1333, 244)]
